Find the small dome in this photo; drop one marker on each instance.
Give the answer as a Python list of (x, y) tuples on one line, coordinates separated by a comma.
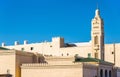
[(97, 12)]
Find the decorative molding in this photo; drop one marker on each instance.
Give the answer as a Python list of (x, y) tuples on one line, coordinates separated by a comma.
[(49, 66)]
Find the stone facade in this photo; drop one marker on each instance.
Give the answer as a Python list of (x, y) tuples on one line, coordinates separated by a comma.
[(45, 70), (26, 64), (66, 70)]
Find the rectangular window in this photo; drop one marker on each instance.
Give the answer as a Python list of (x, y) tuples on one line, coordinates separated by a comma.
[(22, 49), (31, 48), (89, 55), (112, 52)]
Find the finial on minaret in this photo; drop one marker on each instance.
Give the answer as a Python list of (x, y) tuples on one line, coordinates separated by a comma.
[(97, 13)]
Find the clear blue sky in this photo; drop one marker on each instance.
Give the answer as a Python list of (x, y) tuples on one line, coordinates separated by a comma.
[(39, 20)]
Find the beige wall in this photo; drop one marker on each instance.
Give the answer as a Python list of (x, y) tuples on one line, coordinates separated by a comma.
[(51, 70), (82, 51), (22, 57), (54, 48), (44, 48), (49, 48), (12, 60), (7, 62), (112, 52), (59, 60), (117, 55), (64, 70), (109, 49)]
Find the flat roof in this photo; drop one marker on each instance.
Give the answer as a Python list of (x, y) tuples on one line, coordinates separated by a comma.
[(2, 48), (92, 60)]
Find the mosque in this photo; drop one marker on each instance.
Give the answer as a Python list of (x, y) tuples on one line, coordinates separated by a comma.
[(56, 58)]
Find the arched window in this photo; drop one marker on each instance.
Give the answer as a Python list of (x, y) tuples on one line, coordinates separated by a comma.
[(110, 74), (101, 73), (106, 75), (96, 40)]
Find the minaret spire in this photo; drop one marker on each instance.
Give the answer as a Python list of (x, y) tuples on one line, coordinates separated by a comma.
[(97, 12), (97, 36)]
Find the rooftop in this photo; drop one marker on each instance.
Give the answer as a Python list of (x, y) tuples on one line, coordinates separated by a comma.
[(92, 60), (2, 48)]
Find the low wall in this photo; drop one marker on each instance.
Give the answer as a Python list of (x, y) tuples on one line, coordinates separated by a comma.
[(46, 70)]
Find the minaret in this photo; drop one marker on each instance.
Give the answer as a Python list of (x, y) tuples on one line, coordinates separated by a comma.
[(97, 36)]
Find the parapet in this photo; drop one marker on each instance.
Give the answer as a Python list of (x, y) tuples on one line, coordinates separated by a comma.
[(16, 43), (54, 65), (3, 44), (25, 42), (58, 41)]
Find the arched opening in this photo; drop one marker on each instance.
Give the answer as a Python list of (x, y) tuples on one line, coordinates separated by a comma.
[(96, 40), (101, 73), (106, 75), (110, 74)]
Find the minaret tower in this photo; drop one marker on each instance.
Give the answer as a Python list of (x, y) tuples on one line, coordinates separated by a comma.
[(97, 36)]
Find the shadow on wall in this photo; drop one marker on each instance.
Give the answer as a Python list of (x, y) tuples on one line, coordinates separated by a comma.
[(5, 75), (38, 58)]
